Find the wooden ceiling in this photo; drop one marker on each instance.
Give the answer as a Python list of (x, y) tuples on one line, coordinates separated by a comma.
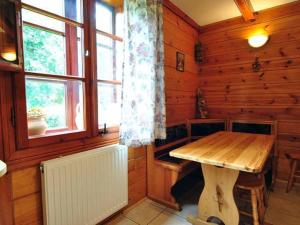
[(206, 12)]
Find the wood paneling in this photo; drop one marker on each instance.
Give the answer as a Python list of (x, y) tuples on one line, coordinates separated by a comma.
[(6, 209), (137, 175), (234, 91), (181, 87), (26, 182), (28, 210)]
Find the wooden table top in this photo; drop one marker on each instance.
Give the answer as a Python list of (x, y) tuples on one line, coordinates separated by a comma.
[(233, 150)]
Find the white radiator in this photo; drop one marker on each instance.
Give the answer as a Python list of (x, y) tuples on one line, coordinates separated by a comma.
[(85, 188)]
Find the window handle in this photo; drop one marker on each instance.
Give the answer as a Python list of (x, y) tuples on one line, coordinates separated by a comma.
[(104, 130)]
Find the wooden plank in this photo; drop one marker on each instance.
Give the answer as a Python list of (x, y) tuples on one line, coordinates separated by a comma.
[(26, 182), (28, 210), (6, 206), (246, 9)]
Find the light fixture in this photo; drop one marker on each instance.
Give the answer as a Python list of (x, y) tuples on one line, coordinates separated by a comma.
[(8, 52), (258, 40), (9, 56)]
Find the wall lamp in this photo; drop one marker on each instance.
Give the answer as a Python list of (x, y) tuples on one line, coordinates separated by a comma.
[(258, 40)]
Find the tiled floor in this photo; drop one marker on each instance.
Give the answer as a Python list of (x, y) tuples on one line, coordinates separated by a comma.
[(284, 209)]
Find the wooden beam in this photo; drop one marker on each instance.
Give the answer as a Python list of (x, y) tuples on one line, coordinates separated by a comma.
[(246, 9)]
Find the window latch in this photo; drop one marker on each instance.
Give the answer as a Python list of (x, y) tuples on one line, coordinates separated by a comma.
[(13, 117), (104, 130)]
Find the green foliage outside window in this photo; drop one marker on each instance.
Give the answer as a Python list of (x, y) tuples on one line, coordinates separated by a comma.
[(44, 52)]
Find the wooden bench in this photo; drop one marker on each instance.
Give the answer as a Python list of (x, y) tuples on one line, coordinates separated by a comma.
[(198, 128), (164, 171)]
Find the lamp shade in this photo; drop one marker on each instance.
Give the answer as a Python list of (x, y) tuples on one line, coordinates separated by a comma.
[(9, 56), (258, 40)]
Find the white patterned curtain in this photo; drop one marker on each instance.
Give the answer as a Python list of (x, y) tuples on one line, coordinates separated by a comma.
[(143, 90)]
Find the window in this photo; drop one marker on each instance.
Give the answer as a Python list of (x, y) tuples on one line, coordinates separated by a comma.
[(109, 63), (53, 66)]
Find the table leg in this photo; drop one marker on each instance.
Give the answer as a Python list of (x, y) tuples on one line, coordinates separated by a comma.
[(217, 197)]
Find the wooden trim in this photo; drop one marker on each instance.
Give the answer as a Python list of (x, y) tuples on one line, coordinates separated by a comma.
[(246, 9), (171, 6), (273, 124), (1, 132), (44, 28), (114, 37), (55, 77), (115, 82), (93, 93), (6, 206), (51, 15), (10, 67), (156, 149), (199, 121)]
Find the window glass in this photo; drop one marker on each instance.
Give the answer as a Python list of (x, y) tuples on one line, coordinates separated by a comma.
[(50, 97), (109, 58), (104, 18), (109, 105), (44, 51), (58, 7), (51, 100), (53, 48), (43, 21), (109, 63), (119, 24)]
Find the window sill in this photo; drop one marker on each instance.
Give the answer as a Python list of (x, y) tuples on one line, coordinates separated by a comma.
[(57, 132), (109, 130)]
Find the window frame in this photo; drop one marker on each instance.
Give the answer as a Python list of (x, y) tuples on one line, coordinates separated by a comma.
[(22, 139), (18, 146), (113, 37)]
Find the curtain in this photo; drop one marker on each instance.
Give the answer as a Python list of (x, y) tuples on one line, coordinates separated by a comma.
[(143, 116)]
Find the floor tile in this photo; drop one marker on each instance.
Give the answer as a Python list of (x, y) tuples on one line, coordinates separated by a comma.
[(120, 220), (187, 209), (155, 203), (167, 218), (144, 212)]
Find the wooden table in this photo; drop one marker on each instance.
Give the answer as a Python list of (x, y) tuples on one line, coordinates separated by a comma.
[(222, 155)]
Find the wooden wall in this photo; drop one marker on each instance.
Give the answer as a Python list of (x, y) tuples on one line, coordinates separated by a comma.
[(180, 86), (234, 91), (24, 193)]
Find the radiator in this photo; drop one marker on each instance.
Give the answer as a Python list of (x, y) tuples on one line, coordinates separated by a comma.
[(85, 188)]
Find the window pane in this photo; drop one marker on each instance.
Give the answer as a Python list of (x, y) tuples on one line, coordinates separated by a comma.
[(58, 102), (109, 105), (44, 51), (44, 21), (74, 7), (119, 24), (109, 58), (104, 18)]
